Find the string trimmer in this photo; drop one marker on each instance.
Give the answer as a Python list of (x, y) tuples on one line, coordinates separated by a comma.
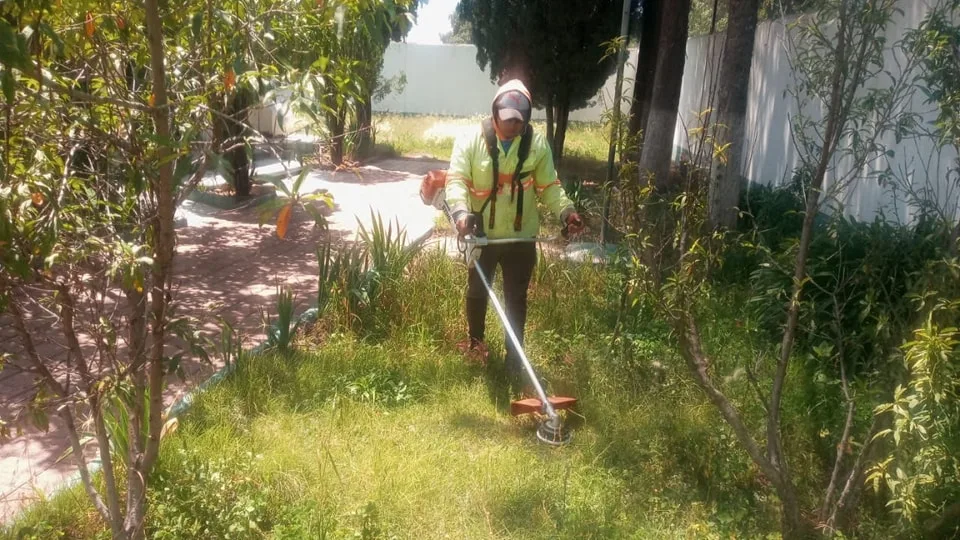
[(550, 430)]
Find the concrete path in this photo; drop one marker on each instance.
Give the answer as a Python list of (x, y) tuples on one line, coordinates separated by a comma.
[(226, 265)]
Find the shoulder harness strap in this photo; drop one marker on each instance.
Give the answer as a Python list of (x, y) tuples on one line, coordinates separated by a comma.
[(516, 186), (490, 137)]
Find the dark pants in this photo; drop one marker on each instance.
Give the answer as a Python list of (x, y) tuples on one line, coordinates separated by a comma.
[(517, 262)]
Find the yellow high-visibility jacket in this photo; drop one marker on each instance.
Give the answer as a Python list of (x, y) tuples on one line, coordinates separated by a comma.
[(470, 181)]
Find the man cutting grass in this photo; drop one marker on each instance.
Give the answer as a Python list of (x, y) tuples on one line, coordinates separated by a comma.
[(506, 148)]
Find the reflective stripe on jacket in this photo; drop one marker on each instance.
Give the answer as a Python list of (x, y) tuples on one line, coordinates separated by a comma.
[(470, 181)]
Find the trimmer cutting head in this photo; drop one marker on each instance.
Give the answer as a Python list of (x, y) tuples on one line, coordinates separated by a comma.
[(551, 431)]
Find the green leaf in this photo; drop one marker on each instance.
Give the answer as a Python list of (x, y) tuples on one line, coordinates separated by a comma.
[(223, 167), (281, 186), (318, 218), (196, 25), (9, 85), (40, 419), (266, 210), (239, 65), (184, 169), (299, 181), (324, 197), (10, 53)]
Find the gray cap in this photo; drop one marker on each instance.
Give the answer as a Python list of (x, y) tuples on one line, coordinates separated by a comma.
[(513, 105)]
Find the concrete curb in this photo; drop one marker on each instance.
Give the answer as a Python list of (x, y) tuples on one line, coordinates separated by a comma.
[(229, 202), (183, 403)]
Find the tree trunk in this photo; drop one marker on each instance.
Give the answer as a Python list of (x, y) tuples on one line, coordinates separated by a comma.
[(240, 165), (725, 170), (713, 17), (239, 160), (550, 121), (560, 135), (792, 526), (657, 151), (337, 129), (227, 135), (365, 140), (163, 253), (646, 71)]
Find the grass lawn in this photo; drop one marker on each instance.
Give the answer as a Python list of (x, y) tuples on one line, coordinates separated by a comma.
[(585, 148), (394, 436)]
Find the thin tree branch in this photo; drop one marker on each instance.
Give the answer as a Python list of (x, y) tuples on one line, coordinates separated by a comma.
[(73, 433), (692, 351), (79, 95), (65, 412), (67, 311), (853, 478), (834, 124), (755, 384), (194, 181), (164, 248), (103, 442), (848, 423), (26, 339)]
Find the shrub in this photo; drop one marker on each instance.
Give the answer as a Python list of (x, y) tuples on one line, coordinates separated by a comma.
[(920, 473), (856, 299), (195, 497)]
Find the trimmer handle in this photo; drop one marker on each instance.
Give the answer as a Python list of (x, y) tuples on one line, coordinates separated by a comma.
[(481, 241), (476, 240)]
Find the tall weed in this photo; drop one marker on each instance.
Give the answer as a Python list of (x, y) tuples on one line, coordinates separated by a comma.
[(280, 333), (389, 252), (343, 275), (365, 276)]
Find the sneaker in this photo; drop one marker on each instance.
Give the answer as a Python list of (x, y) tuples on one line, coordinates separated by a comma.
[(474, 351)]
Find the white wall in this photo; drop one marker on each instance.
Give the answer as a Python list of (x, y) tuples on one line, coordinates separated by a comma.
[(769, 155), (446, 80)]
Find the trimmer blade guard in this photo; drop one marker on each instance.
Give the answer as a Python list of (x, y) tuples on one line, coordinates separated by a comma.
[(552, 432), (531, 405)]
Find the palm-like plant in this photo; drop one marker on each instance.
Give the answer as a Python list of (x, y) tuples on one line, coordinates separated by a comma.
[(283, 207)]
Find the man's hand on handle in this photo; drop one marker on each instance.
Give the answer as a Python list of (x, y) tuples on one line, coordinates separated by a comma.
[(466, 224), (574, 224)]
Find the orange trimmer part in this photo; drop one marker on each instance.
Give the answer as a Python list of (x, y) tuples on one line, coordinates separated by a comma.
[(532, 405)]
